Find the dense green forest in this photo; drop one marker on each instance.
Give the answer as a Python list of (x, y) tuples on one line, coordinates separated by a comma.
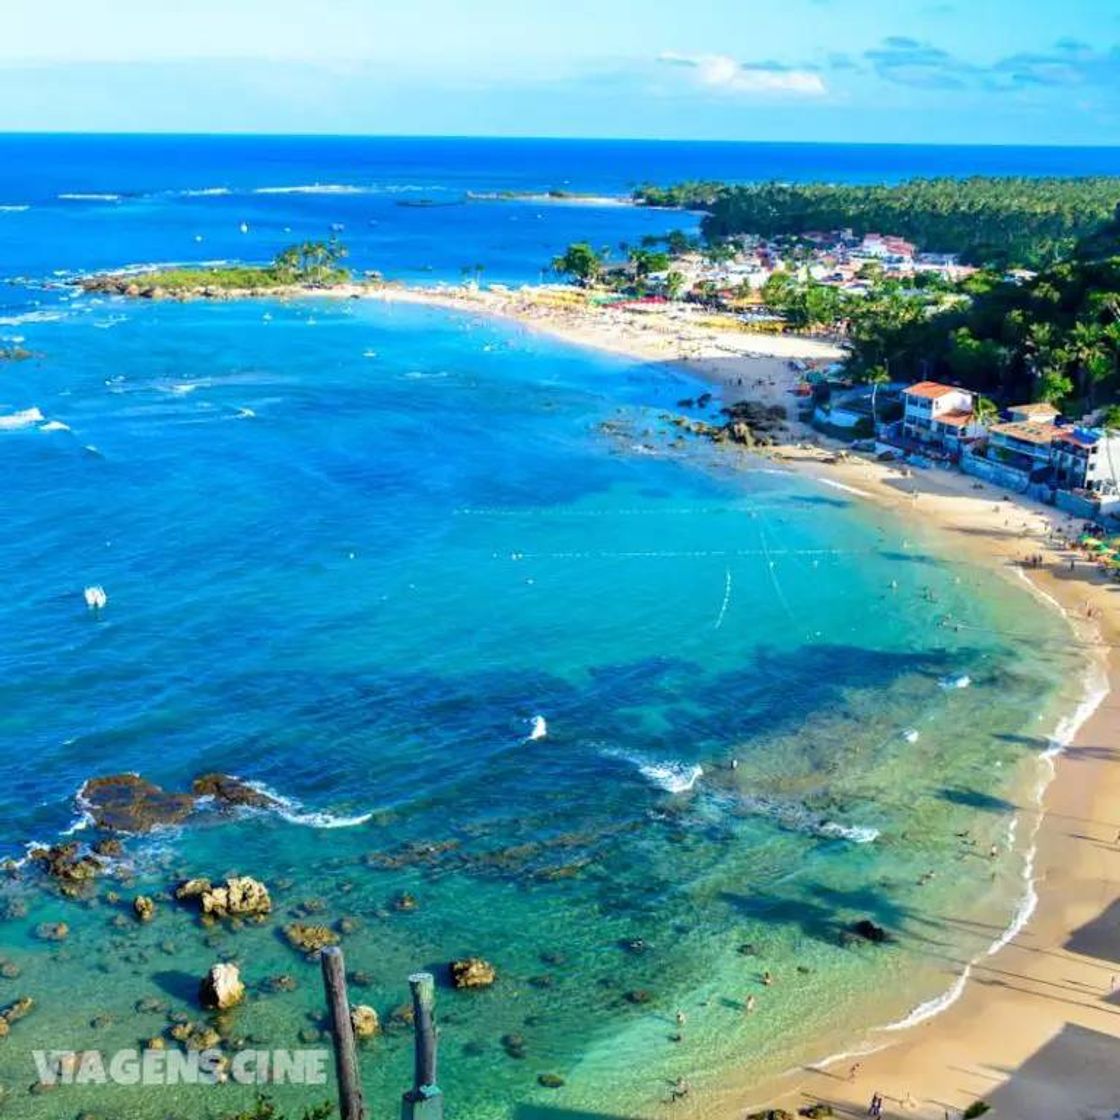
[(1000, 222), (1055, 337)]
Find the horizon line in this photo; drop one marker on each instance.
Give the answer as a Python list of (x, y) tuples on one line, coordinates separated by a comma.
[(272, 134)]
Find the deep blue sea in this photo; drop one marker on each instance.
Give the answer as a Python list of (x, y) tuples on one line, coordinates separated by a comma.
[(352, 550)]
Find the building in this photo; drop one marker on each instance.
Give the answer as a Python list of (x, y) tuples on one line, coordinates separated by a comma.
[(1024, 444), (1086, 459), (939, 415)]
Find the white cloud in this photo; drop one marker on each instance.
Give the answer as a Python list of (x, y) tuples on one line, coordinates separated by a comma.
[(722, 73)]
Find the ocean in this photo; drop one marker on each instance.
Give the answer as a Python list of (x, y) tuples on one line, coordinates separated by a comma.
[(352, 551)]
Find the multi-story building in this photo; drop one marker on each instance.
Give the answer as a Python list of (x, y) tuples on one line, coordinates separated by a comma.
[(940, 415)]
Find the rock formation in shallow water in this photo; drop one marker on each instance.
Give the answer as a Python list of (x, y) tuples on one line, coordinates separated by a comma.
[(221, 988), (472, 972), (227, 790), (129, 803)]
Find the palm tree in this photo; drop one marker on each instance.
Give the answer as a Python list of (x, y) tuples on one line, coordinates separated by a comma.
[(876, 376), (984, 411)]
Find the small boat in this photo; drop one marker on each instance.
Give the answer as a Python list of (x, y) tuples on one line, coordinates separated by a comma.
[(95, 597), (244, 227)]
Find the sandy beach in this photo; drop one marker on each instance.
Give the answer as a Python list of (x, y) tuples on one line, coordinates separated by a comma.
[(1035, 1031)]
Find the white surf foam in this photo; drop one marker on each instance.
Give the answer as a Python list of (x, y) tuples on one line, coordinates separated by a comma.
[(54, 426), (13, 209), (25, 418), (955, 680), (844, 486), (294, 812), (315, 188), (538, 730), (668, 774), (89, 196)]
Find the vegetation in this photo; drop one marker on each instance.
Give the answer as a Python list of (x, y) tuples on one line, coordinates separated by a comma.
[(579, 262), (1055, 337), (1001, 222), (315, 264)]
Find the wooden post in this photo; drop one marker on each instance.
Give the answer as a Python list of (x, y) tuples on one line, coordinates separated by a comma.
[(350, 1101), (423, 1101)]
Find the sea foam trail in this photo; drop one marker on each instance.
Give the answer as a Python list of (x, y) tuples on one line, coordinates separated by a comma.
[(800, 819), (294, 812), (668, 775)]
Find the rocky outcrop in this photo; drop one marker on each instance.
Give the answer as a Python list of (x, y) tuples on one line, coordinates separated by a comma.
[(227, 790), (221, 988), (52, 931), (310, 939), (191, 888), (72, 869), (144, 908), (129, 803), (472, 972), (364, 1020), (239, 897)]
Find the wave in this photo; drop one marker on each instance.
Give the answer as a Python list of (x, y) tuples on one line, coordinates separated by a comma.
[(316, 188), (13, 209), (25, 418), (32, 317), (295, 812), (54, 426), (89, 196), (668, 775), (203, 192)]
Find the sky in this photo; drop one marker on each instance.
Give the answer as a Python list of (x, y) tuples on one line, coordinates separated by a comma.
[(875, 71)]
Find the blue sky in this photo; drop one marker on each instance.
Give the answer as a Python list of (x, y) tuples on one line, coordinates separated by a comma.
[(935, 71)]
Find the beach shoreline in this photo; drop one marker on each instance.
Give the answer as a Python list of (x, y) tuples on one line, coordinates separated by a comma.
[(999, 1033), (1020, 1032)]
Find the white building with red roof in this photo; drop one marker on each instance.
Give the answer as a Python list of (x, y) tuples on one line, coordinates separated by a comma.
[(940, 415)]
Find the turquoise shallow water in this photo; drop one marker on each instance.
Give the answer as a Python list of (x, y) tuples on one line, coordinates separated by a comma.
[(350, 551)]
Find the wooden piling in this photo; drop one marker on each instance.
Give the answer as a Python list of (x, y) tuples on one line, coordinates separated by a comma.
[(351, 1103), (423, 1101)]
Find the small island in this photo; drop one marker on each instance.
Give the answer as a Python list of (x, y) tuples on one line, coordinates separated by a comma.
[(308, 266)]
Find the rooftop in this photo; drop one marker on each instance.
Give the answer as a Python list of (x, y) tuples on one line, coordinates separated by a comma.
[(1028, 431), (958, 418), (931, 390)]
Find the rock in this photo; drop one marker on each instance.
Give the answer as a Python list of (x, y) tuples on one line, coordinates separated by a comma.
[(66, 863), (17, 1010), (282, 983), (155, 1043), (635, 945), (869, 931), (52, 931), (402, 1016), (637, 995), (191, 888), (230, 791), (150, 1005), (364, 1020), (144, 908), (221, 988), (472, 972), (310, 939), (514, 1045), (360, 978), (240, 897), (129, 803), (9, 970), (550, 1080), (405, 902), (772, 1114), (109, 847)]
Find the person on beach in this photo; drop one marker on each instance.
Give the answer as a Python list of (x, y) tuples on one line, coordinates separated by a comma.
[(767, 978), (750, 1004), (876, 1106), (681, 1018), (680, 1089), (853, 1073)]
